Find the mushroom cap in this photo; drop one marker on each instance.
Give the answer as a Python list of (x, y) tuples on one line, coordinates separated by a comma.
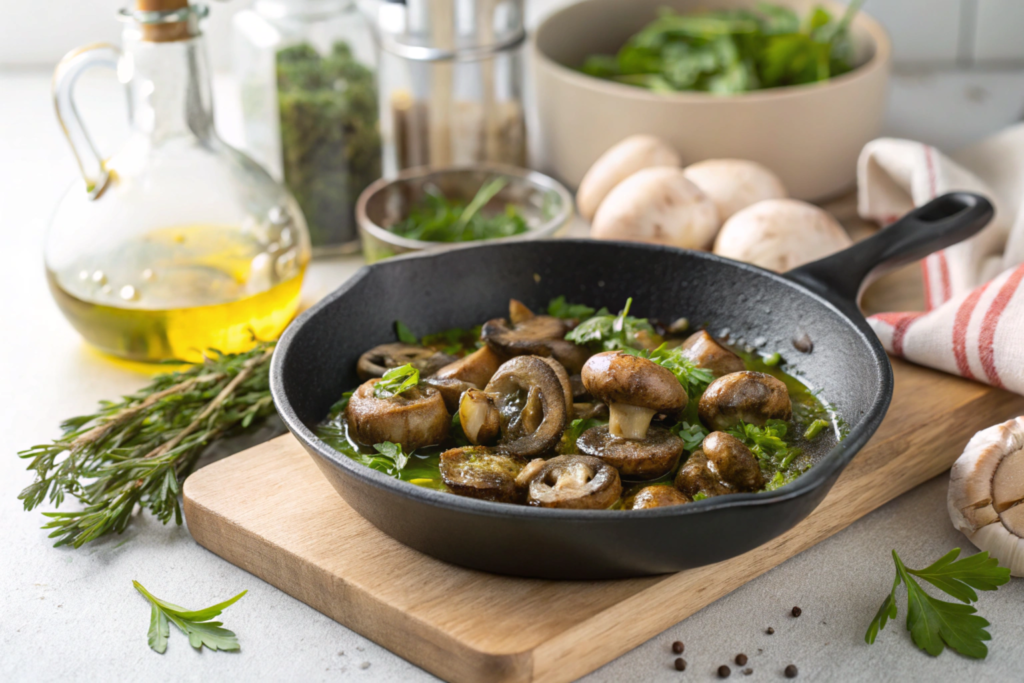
[(702, 349), (658, 496), (649, 458), (577, 482), (734, 184), (414, 418), (657, 205), (541, 335), (479, 472), (781, 234), (695, 477), (617, 377), (380, 359), (618, 163), (531, 402), (751, 397), (732, 462), (986, 493)]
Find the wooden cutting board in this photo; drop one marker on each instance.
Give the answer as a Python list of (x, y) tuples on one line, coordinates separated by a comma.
[(271, 512)]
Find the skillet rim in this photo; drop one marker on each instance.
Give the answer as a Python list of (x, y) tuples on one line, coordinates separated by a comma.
[(831, 464)]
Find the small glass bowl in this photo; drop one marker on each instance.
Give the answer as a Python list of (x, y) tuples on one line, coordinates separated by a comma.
[(545, 203)]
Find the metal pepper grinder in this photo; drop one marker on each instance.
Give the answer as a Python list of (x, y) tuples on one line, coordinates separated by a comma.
[(451, 75)]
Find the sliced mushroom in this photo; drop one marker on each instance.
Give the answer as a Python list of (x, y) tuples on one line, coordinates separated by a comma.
[(658, 497), (471, 372), (732, 463), (477, 368), (540, 335), (563, 379), (695, 477), (702, 349), (518, 312), (480, 418), (531, 402), (635, 389), (380, 359), (590, 411), (414, 418), (529, 472), (656, 454), (481, 473), (751, 397), (577, 482)]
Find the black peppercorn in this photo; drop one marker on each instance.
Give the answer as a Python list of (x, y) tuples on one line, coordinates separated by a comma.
[(791, 671), (797, 611), (724, 671), (678, 647), (770, 630), (741, 660), (680, 664)]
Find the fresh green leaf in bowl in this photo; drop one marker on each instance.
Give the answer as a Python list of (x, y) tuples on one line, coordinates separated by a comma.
[(732, 51), (439, 219)]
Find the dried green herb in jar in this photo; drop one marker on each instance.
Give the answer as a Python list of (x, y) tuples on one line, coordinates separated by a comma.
[(330, 138)]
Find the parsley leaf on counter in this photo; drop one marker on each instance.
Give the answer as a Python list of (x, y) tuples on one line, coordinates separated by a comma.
[(609, 332), (195, 624), (935, 624), (560, 308), (396, 381)]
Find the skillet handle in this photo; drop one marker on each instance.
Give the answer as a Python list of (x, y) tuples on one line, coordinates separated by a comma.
[(940, 223)]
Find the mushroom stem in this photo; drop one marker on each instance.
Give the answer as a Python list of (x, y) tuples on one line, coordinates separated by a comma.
[(629, 422)]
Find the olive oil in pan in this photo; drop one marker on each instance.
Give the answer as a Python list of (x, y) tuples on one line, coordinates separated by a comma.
[(173, 293)]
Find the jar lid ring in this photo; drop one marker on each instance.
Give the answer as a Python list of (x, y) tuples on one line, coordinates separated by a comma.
[(420, 53)]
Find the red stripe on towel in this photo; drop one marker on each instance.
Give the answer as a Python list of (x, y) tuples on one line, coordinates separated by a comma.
[(960, 324), (986, 340)]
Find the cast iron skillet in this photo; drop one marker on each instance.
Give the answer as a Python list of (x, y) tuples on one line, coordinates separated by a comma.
[(316, 358)]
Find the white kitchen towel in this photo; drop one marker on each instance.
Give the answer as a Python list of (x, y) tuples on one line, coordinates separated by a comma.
[(973, 324)]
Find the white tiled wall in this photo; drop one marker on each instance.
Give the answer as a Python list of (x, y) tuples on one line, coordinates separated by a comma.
[(999, 37), (940, 33)]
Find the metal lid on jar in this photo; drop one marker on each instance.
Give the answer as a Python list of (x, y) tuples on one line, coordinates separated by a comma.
[(450, 30), (165, 21)]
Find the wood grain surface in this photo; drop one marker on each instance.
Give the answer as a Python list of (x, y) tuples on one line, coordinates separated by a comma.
[(271, 512)]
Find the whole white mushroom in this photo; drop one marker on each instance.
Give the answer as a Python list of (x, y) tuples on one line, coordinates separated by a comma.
[(781, 234), (735, 184), (657, 205), (618, 163)]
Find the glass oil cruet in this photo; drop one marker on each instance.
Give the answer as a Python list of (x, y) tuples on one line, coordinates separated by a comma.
[(177, 243)]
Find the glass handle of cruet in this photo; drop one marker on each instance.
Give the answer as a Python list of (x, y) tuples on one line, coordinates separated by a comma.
[(74, 64)]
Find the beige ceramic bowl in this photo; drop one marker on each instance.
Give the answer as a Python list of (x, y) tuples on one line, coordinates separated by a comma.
[(809, 135)]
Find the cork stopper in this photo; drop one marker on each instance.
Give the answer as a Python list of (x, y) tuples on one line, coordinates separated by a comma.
[(164, 33)]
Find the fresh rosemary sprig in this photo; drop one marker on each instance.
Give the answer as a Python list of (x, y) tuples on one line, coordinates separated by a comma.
[(135, 452)]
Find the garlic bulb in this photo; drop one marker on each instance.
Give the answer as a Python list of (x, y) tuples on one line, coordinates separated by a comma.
[(986, 493)]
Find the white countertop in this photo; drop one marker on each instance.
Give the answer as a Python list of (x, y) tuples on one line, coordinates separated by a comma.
[(73, 614)]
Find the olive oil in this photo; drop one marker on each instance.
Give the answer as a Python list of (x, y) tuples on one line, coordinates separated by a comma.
[(176, 292)]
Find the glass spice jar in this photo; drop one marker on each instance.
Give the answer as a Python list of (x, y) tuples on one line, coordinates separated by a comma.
[(177, 243), (309, 99), (451, 82)]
